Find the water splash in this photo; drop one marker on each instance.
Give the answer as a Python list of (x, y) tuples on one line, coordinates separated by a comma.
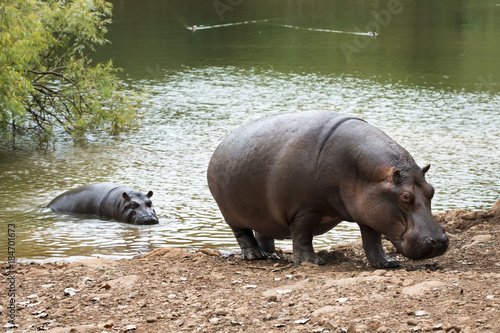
[(288, 26)]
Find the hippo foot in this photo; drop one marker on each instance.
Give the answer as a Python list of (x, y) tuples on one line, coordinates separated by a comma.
[(307, 257), (253, 253), (272, 255), (384, 263)]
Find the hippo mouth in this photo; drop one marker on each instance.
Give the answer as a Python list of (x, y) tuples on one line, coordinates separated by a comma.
[(147, 220), (422, 247)]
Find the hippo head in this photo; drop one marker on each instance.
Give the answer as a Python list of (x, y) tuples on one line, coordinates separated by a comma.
[(397, 203), (138, 208)]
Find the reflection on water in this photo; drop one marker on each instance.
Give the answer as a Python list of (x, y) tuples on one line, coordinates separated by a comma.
[(209, 82)]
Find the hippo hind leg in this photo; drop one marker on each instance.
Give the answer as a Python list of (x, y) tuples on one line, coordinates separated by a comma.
[(266, 244), (250, 248), (301, 228)]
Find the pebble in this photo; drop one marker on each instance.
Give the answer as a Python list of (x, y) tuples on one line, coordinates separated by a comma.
[(481, 238), (129, 328), (209, 252), (150, 319), (283, 291), (421, 313), (250, 286), (302, 321), (70, 291)]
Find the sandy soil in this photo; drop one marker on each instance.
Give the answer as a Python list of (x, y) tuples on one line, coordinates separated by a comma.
[(174, 290)]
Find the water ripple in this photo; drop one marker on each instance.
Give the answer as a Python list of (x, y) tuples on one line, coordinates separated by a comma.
[(192, 110)]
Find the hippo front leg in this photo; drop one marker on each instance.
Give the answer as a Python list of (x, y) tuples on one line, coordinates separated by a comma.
[(301, 228), (372, 243), (250, 249)]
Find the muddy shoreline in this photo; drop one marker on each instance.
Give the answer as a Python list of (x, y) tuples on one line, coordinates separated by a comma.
[(174, 290)]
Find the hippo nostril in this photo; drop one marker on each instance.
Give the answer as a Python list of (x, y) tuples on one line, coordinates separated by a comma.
[(444, 241)]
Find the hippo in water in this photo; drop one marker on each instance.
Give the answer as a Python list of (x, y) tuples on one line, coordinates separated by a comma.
[(297, 175), (107, 200)]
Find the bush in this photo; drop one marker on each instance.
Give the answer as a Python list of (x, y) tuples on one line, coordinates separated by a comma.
[(46, 79)]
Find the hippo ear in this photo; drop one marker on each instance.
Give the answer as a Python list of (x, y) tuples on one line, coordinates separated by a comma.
[(150, 194), (125, 196), (396, 176), (426, 168)]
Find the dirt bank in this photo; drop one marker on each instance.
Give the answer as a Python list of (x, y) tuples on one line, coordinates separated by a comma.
[(173, 290)]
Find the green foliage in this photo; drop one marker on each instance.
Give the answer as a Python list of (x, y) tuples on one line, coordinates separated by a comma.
[(46, 79)]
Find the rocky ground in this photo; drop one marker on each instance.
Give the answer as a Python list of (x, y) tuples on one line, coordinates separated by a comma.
[(173, 290)]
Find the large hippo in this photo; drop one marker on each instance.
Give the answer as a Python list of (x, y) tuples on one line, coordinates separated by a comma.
[(107, 200), (297, 175)]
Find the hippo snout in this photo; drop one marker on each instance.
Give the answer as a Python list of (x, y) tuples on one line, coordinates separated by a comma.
[(427, 247), (439, 245), (147, 219)]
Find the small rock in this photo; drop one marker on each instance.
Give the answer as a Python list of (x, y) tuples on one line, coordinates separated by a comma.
[(108, 325), (283, 291), (481, 238), (220, 312), (236, 323), (70, 291), (302, 321), (342, 299), (421, 288), (421, 313), (150, 319), (209, 252), (86, 279), (129, 328), (279, 325), (330, 326), (105, 286), (250, 286), (32, 296), (41, 315), (96, 299), (214, 320)]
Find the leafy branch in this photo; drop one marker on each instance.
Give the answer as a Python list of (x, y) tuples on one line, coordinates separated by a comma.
[(47, 81)]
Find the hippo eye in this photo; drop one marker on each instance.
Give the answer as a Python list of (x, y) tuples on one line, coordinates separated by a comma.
[(405, 197), (134, 205)]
